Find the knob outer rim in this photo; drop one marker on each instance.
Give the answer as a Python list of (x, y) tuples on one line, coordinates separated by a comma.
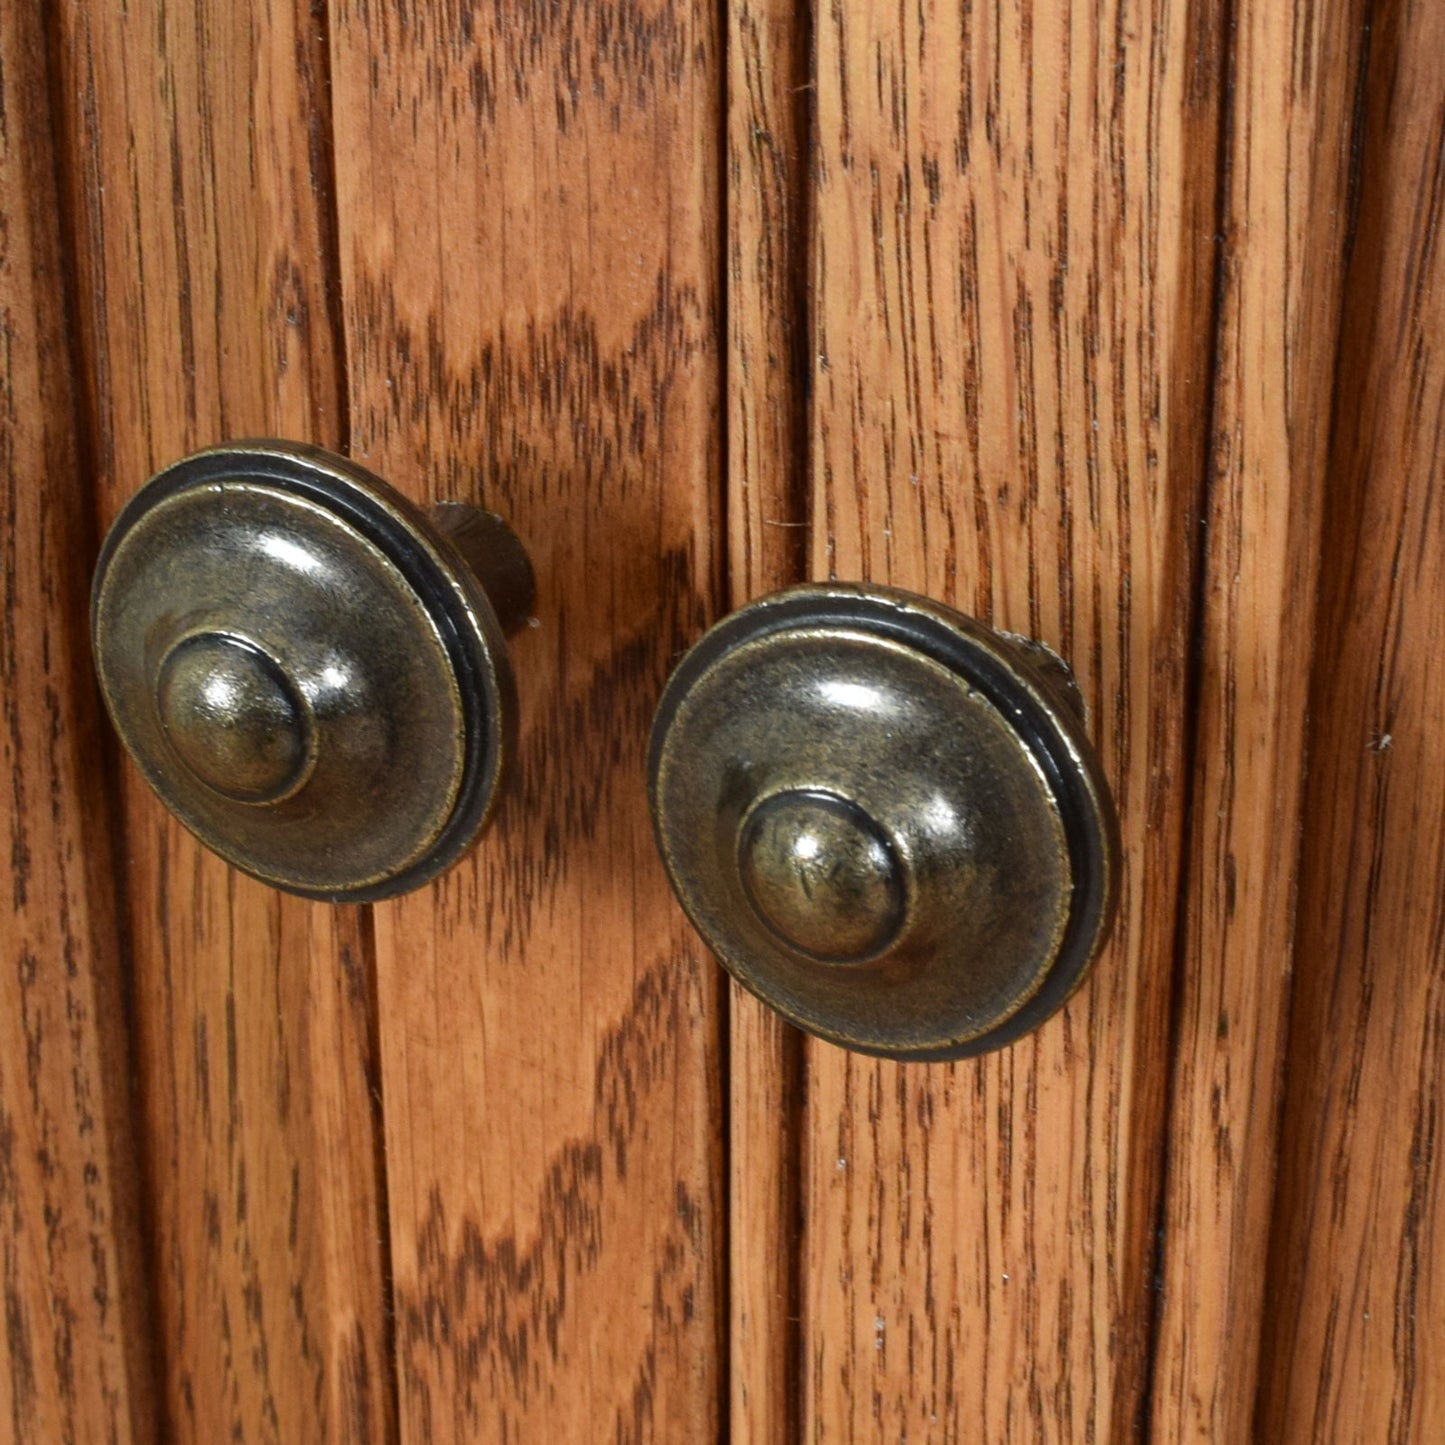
[(435, 570), (1022, 679)]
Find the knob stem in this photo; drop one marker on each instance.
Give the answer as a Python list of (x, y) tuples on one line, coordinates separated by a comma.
[(496, 557)]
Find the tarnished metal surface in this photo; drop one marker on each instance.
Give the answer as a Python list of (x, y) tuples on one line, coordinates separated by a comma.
[(305, 668), (885, 818)]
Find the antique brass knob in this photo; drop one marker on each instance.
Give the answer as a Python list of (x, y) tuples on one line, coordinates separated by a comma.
[(885, 819), (310, 672)]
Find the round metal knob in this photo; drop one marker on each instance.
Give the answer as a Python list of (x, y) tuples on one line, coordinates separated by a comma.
[(885, 819), (310, 672)]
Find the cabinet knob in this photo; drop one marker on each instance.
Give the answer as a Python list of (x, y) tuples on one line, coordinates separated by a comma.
[(885, 819), (310, 672)]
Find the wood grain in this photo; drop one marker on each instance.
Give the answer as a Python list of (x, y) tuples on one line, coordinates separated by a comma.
[(1013, 266), (198, 174), (769, 113), (1356, 1299), (76, 1362), (1293, 73), (529, 204)]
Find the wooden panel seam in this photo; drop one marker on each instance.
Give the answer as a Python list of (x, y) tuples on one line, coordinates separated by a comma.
[(770, 110)]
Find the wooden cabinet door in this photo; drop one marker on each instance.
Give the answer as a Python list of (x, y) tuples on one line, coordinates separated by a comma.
[(1116, 323)]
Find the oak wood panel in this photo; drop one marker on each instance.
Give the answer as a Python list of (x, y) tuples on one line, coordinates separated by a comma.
[(769, 109), (1292, 76), (1015, 207), (1356, 1301), (76, 1362), (529, 204), (198, 168)]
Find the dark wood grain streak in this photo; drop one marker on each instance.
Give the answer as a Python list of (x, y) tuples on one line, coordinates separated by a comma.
[(529, 206), (195, 156), (76, 1357), (1356, 1300), (769, 131), (1014, 267), (1293, 74)]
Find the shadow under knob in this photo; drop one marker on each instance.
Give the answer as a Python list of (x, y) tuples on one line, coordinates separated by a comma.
[(885, 819), (311, 672)]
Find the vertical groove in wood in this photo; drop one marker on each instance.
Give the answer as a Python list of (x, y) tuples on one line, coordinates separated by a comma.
[(1356, 1300), (76, 1359), (531, 267), (769, 119), (388, 1401), (1013, 261), (769, 108), (195, 164), (1293, 73)]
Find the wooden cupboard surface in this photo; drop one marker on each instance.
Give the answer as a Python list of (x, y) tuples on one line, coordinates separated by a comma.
[(549, 1028), (1117, 323), (77, 1362), (201, 238)]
